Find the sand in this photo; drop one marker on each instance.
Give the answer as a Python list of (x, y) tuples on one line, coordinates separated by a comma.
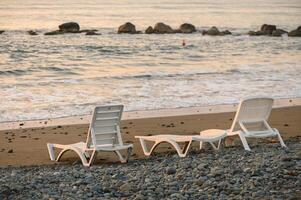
[(24, 143)]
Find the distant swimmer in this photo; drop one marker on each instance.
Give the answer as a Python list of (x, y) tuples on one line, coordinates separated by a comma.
[(183, 43)]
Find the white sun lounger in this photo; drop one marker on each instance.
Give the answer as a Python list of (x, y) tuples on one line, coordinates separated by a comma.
[(251, 120), (211, 136), (103, 135)]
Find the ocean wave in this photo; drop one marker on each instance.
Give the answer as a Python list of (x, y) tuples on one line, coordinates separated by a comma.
[(16, 72), (173, 75)]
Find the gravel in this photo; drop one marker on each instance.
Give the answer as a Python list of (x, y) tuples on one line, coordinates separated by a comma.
[(268, 172)]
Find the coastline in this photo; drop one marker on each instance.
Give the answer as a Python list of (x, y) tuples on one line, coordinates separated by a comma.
[(28, 141)]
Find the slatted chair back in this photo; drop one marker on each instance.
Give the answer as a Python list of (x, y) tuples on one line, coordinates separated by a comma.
[(105, 126), (252, 113)]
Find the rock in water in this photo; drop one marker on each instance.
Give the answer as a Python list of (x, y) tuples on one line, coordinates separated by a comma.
[(1, 31), (88, 30), (187, 28), (255, 33), (70, 27), (268, 29), (57, 32), (92, 33), (32, 32), (149, 30), (161, 28), (278, 32), (212, 31), (226, 32), (295, 33), (127, 28)]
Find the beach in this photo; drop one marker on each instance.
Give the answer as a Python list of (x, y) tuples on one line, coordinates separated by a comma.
[(230, 173), (178, 68), (24, 142)]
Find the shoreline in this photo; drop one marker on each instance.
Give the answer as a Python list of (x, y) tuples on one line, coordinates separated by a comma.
[(140, 114), (26, 144)]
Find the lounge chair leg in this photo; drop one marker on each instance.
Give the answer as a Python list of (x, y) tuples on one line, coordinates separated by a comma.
[(214, 146), (201, 145), (61, 153), (92, 158), (50, 151), (280, 138), (244, 142), (81, 155), (126, 158), (220, 143), (181, 152), (145, 149)]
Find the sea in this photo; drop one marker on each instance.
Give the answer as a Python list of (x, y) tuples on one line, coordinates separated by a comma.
[(45, 77)]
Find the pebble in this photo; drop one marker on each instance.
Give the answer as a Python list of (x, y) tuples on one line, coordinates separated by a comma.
[(171, 170)]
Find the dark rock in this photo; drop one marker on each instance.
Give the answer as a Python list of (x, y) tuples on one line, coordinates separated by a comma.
[(125, 188), (88, 30), (92, 33), (226, 32), (268, 29), (10, 151), (176, 31), (69, 27), (278, 32), (32, 32), (295, 33), (1, 31), (187, 28), (170, 170), (127, 28), (199, 182), (212, 31), (161, 28), (149, 30), (57, 32), (255, 33)]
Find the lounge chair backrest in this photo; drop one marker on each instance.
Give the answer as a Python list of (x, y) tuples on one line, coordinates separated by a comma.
[(252, 111), (105, 126)]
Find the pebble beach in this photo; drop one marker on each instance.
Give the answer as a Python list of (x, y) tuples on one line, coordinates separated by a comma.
[(268, 172), (178, 68)]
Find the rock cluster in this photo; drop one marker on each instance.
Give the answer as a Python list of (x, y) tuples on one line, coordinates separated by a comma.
[(32, 32), (162, 28), (215, 32), (232, 173), (71, 27), (268, 29), (295, 33)]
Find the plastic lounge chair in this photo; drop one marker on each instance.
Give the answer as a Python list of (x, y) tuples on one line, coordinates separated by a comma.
[(207, 136), (251, 121), (103, 135)]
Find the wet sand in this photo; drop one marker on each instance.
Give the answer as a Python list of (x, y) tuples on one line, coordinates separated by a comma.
[(24, 143)]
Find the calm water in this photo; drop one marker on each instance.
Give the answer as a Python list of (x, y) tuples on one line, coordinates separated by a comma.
[(54, 76)]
